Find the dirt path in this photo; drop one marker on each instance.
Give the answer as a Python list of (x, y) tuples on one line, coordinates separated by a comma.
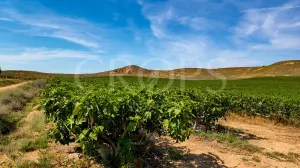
[(271, 138), (11, 86)]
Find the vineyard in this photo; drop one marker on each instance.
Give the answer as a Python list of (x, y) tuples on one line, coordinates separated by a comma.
[(115, 118)]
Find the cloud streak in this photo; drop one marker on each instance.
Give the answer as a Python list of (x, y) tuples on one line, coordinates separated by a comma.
[(41, 22), (271, 29), (280, 8), (5, 19), (258, 32), (43, 54)]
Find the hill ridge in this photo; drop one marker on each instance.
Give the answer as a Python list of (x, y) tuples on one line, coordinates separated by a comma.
[(282, 68)]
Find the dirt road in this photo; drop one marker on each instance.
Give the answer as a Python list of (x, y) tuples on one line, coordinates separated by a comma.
[(11, 86)]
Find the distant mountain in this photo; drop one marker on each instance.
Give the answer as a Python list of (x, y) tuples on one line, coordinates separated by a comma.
[(284, 68)]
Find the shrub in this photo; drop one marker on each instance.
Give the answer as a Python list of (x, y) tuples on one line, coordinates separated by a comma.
[(113, 121)]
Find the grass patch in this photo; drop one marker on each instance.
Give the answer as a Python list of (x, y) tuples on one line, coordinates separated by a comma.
[(18, 132), (175, 154), (26, 164), (294, 156), (44, 161), (231, 140), (37, 122), (245, 159), (13, 102), (290, 157), (34, 144), (256, 159)]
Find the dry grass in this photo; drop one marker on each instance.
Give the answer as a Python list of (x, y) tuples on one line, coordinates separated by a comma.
[(44, 161), (12, 103), (290, 157), (26, 138), (15, 132), (37, 122)]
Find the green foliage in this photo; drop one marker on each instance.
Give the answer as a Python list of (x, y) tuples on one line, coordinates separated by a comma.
[(107, 118), (113, 116)]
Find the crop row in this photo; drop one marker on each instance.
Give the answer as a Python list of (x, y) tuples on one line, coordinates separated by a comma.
[(111, 120)]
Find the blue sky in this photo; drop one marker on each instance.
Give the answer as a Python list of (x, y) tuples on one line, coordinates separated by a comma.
[(76, 36)]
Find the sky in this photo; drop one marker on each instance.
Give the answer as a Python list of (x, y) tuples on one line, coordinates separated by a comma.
[(88, 36)]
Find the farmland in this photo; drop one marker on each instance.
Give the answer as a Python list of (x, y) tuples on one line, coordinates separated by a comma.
[(149, 84), (114, 114), (113, 120)]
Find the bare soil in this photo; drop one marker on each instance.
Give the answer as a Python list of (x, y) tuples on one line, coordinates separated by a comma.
[(270, 137), (273, 138)]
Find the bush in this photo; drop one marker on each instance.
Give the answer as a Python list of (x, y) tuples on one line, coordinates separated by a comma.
[(113, 121)]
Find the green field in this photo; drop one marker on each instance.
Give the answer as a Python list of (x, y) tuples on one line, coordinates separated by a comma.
[(280, 87)]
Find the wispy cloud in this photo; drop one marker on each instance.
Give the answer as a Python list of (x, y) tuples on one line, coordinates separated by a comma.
[(43, 22), (76, 38), (272, 8), (271, 29), (42, 54), (259, 32), (191, 17), (192, 46), (5, 19)]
